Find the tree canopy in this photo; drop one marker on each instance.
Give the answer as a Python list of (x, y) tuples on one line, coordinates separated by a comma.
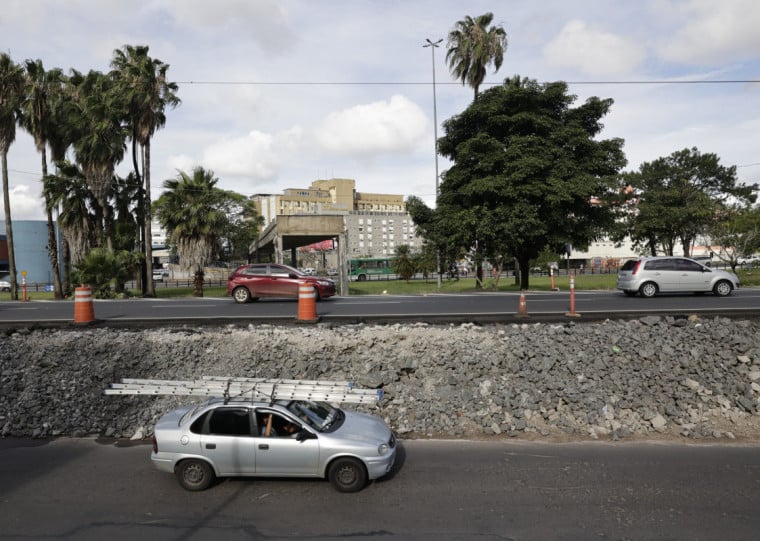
[(678, 198), (528, 172)]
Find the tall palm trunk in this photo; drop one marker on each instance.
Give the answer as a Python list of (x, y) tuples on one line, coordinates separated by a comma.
[(9, 227), (52, 240), (198, 284), (150, 290)]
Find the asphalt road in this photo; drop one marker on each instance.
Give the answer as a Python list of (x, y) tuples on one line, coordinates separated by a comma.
[(436, 307), (441, 490)]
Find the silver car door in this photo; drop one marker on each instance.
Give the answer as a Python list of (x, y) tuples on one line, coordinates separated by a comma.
[(228, 442), (664, 273), (283, 454), (692, 276)]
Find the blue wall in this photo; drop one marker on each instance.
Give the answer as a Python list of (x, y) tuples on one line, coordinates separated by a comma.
[(30, 242)]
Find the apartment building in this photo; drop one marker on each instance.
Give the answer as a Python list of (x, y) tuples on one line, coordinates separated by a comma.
[(376, 224)]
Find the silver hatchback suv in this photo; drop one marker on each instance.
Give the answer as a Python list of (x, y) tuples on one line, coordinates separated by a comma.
[(649, 276)]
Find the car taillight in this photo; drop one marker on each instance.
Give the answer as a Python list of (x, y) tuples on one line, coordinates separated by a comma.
[(636, 268), (155, 444)]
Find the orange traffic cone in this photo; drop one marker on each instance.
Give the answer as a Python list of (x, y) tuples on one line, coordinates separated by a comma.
[(83, 308), (522, 307), (307, 303)]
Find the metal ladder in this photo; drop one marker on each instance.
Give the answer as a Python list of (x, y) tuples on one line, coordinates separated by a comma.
[(255, 388)]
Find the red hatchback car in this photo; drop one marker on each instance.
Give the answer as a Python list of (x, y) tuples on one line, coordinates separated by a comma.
[(250, 282)]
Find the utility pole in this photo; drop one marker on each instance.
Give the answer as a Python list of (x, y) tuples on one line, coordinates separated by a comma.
[(433, 46)]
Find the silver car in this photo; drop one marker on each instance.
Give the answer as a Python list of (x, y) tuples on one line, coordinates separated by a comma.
[(284, 438), (649, 276)]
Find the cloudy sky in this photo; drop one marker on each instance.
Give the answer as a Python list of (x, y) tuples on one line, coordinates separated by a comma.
[(278, 93)]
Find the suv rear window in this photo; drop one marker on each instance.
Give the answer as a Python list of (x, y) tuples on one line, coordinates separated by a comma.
[(629, 265)]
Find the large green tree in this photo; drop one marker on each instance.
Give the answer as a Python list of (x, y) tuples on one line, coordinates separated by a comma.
[(11, 92), (529, 171), (244, 228), (194, 211), (676, 199), (37, 120), (472, 45), (143, 82), (736, 233)]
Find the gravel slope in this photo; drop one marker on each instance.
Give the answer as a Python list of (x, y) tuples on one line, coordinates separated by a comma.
[(648, 378)]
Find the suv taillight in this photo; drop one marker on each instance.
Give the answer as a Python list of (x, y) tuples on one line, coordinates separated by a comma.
[(636, 268), (155, 444)]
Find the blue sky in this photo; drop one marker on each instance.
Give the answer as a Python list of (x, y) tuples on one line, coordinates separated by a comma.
[(278, 93)]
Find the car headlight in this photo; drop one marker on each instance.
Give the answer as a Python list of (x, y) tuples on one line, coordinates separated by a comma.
[(382, 449), (325, 282)]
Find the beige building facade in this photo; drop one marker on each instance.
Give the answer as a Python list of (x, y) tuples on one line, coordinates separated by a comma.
[(375, 224)]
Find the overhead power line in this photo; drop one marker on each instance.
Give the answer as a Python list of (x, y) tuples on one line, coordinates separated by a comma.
[(428, 83)]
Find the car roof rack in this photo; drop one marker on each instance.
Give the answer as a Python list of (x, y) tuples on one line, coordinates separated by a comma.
[(257, 388)]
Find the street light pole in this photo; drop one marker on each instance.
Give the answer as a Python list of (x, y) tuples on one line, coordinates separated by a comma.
[(433, 46)]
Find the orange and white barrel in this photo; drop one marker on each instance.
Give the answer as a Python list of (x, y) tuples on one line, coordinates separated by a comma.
[(307, 303), (84, 311)]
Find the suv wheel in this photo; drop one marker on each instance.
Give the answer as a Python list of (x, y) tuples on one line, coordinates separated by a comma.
[(722, 289), (648, 289)]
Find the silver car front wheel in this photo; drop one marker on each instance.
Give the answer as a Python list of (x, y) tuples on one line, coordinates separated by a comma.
[(722, 289), (348, 475)]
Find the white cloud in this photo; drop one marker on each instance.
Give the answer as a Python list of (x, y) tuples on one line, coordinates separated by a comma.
[(593, 51), (714, 32), (263, 21), (255, 155), (382, 127), (25, 203)]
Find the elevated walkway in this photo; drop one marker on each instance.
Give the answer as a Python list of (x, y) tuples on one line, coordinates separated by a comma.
[(279, 241)]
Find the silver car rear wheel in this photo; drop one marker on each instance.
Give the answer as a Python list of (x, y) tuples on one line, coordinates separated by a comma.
[(648, 289), (722, 289), (194, 475), (348, 475)]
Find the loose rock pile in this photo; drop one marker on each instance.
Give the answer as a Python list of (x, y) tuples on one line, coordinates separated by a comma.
[(615, 379)]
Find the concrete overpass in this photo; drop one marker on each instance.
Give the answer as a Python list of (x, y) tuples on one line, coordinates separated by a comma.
[(282, 237)]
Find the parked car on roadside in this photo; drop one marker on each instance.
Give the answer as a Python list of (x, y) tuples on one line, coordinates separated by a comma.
[(160, 273), (297, 438), (250, 282), (749, 260), (648, 276), (5, 283)]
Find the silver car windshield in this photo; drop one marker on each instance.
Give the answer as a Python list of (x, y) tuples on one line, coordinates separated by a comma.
[(318, 415)]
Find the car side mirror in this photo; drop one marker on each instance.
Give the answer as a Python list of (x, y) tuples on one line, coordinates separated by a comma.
[(304, 435)]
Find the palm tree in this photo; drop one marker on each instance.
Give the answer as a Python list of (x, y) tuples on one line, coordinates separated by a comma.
[(11, 92), (472, 46), (68, 191), (192, 212), (101, 141), (39, 84), (143, 81)]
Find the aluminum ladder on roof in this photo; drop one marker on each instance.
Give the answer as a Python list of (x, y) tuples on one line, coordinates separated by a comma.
[(256, 388)]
